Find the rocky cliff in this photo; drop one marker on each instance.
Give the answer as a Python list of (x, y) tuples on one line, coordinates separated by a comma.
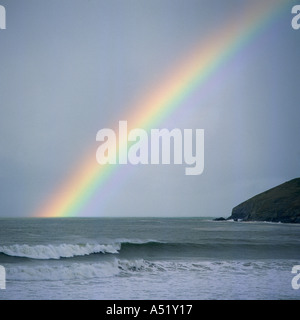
[(279, 204)]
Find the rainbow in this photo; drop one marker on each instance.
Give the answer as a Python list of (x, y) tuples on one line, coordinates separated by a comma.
[(72, 198)]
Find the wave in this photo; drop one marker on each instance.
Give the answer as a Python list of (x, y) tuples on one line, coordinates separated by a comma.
[(80, 271), (50, 251), (122, 247), (45, 252), (124, 267), (134, 249)]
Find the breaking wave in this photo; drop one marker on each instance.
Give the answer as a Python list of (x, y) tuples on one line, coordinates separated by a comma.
[(134, 249), (57, 251), (120, 267), (80, 271), (50, 251)]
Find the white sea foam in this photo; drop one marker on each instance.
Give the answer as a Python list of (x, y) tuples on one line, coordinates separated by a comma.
[(79, 270), (123, 267), (64, 250), (144, 279), (58, 251), (55, 273)]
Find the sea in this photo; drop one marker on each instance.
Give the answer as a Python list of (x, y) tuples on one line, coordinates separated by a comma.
[(148, 259)]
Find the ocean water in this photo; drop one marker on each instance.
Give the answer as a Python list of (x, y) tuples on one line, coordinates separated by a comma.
[(148, 258)]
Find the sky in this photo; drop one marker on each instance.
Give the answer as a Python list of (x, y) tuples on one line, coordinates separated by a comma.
[(69, 68)]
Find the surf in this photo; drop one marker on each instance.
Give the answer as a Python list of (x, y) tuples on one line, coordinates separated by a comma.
[(45, 252)]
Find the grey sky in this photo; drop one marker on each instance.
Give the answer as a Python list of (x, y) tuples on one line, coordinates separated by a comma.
[(71, 67)]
